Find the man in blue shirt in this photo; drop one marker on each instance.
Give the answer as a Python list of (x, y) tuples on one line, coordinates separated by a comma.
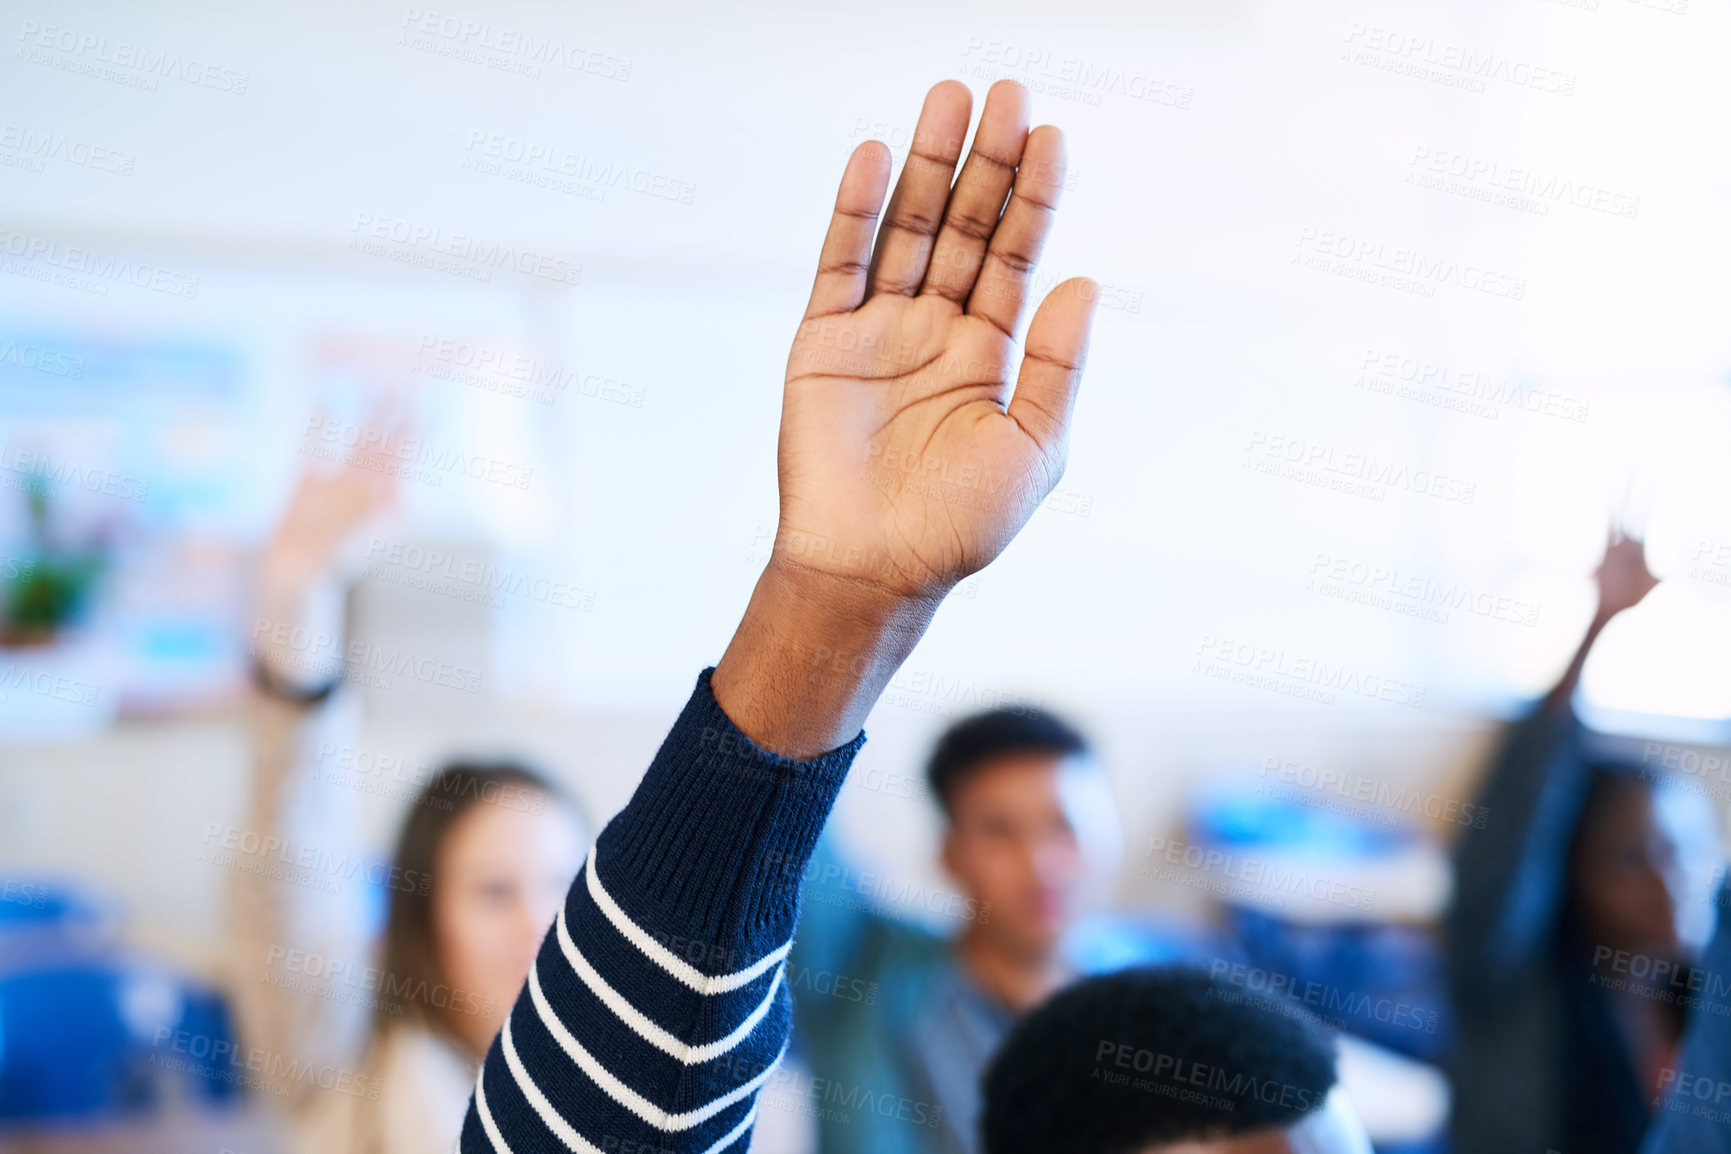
[(1029, 825)]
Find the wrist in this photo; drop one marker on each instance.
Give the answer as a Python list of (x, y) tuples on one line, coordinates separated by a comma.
[(1601, 617), (298, 624), (290, 569), (813, 653)]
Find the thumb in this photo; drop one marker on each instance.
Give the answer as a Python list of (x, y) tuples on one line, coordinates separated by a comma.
[(1056, 350)]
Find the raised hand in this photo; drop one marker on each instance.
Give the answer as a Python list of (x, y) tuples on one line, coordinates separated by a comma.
[(905, 459), (331, 506), (1622, 577)]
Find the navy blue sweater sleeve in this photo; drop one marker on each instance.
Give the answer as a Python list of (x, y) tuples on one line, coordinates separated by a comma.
[(1511, 874), (1693, 1114), (658, 1005)]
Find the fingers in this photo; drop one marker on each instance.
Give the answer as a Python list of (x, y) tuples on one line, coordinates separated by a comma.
[(369, 482), (387, 420), (1020, 237), (1055, 352), (847, 248), (917, 206), (978, 197)]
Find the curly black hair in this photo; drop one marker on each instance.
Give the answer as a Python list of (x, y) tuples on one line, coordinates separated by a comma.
[(1150, 1056)]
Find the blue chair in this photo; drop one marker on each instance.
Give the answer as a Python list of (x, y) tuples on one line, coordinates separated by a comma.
[(88, 1033)]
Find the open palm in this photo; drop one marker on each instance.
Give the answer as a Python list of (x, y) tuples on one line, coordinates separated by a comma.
[(330, 506), (905, 460), (1623, 577)]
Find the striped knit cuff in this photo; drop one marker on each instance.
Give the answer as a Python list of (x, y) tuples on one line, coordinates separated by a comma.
[(714, 842)]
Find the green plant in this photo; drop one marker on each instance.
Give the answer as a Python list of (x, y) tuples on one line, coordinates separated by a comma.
[(52, 586)]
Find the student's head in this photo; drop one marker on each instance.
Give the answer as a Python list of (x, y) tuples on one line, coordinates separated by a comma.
[(1029, 822), (1166, 1061), (499, 846), (1640, 865)]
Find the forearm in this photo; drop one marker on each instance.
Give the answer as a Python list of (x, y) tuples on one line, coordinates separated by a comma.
[(276, 919), (298, 629), (1562, 694), (1510, 872)]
